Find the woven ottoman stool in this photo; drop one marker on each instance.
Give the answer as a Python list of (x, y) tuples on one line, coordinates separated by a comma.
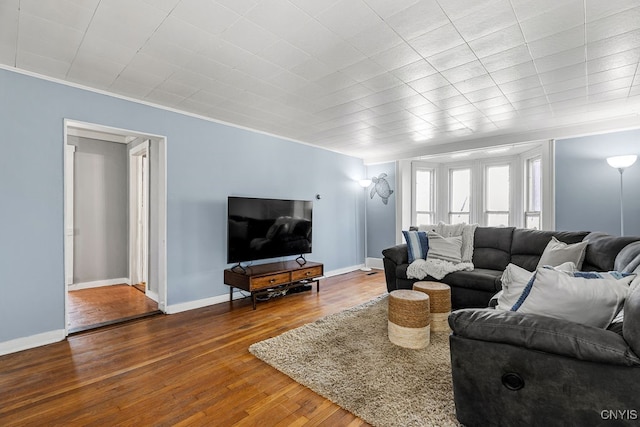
[(439, 303), (408, 324)]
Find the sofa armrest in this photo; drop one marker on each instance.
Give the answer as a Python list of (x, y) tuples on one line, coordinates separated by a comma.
[(546, 334), (398, 254)]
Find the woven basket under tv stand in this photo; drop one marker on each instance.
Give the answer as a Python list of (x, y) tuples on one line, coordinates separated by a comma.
[(263, 278)]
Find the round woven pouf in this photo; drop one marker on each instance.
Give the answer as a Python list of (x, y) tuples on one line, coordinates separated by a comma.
[(409, 318), (439, 301)]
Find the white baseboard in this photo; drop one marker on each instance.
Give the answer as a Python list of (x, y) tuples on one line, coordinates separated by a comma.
[(32, 341), (375, 263), (98, 283), (192, 305), (152, 295)]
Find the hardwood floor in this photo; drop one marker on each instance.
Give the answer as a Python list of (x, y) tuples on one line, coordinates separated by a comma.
[(96, 307), (185, 369)]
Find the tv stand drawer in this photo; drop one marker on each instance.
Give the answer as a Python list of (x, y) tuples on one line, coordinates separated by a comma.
[(306, 273), (269, 281)]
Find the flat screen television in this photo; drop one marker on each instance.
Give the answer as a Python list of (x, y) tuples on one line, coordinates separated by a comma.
[(267, 228)]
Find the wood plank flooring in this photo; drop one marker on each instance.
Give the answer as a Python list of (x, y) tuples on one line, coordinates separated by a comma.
[(185, 369), (105, 305)]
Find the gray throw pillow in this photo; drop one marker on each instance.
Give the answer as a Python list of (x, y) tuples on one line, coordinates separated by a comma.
[(558, 252), (445, 248)]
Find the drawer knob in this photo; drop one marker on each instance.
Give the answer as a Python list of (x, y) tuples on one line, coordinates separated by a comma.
[(272, 281), (308, 273)]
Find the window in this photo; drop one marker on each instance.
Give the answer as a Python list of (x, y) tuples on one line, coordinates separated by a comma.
[(424, 196), (533, 193), (496, 191), (459, 195)]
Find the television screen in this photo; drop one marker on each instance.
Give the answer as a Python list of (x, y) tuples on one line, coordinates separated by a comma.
[(267, 228)]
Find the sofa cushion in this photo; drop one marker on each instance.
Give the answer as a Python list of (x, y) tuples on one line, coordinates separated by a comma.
[(492, 247), (557, 252), (603, 249), (544, 334), (628, 259), (528, 245), (417, 245), (588, 300), (480, 279), (398, 254)]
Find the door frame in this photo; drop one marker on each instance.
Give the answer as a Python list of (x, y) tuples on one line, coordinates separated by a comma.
[(139, 195), (96, 131)]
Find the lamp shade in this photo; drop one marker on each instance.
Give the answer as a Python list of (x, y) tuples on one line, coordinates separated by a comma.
[(621, 162), (365, 182)]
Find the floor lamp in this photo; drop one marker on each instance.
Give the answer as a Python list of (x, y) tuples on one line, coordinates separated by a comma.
[(621, 163), (365, 183)]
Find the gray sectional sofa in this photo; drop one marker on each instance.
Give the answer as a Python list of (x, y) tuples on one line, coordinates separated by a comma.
[(494, 248), (511, 368)]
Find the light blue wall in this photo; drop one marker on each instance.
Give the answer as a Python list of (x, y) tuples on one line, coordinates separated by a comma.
[(588, 189), (381, 218), (206, 162)]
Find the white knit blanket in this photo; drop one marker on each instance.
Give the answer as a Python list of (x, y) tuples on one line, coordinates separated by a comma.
[(436, 268)]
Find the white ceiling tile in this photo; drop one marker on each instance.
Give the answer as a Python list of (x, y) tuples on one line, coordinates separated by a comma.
[(48, 39), (272, 14), (515, 72), (249, 36), (126, 23), (567, 15), (284, 55), (615, 44), (452, 101), (312, 7), (418, 19), (311, 69), (530, 102), (564, 73), (486, 20), (613, 25), (41, 64), (386, 8), (148, 64), (465, 72), (339, 18), (67, 13), (428, 83), (238, 6), (92, 70), (375, 39), (108, 50), (456, 9), (168, 52), (579, 92), (205, 14), (561, 60), (436, 41), (597, 9), (565, 85), (526, 9), (607, 95), (613, 61), (484, 93), (414, 71), (8, 53), (498, 41), (508, 58), (164, 98), (520, 84), (382, 82), (565, 40), (611, 85), (132, 88), (614, 73), (335, 81), (313, 38), (453, 57), (363, 70), (491, 102), (525, 94), (396, 57), (340, 56), (475, 83)]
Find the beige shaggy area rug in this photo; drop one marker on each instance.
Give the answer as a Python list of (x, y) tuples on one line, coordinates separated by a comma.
[(348, 358)]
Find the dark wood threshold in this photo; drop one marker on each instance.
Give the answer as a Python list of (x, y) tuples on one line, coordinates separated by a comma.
[(80, 329)]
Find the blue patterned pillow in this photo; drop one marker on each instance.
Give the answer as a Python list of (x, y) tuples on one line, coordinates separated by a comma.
[(417, 244)]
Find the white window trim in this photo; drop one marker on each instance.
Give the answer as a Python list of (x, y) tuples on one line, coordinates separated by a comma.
[(421, 166)]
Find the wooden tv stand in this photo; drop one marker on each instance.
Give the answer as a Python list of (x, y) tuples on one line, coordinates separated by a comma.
[(259, 279)]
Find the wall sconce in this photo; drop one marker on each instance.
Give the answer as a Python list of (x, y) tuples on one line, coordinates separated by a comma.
[(621, 163)]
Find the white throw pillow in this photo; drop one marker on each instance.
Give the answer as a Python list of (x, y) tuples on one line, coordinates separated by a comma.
[(593, 302), (557, 252), (446, 249), (515, 279)]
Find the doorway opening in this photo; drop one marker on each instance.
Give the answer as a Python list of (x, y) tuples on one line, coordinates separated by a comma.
[(115, 225)]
